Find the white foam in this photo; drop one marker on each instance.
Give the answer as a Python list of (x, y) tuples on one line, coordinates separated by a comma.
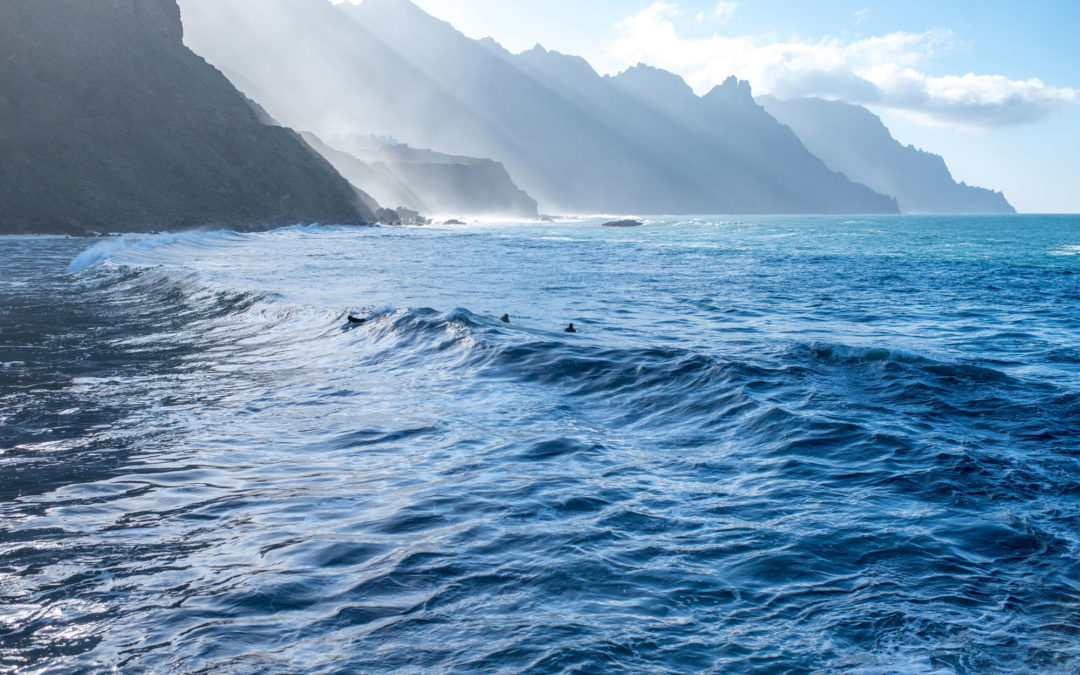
[(110, 248)]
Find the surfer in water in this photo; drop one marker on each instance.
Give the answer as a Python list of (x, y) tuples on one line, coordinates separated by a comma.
[(505, 318), (570, 329), (356, 321)]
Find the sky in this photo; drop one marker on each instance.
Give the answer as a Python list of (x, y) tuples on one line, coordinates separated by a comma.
[(992, 85)]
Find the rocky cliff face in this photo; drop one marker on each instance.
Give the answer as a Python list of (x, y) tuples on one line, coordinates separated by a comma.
[(109, 123), (854, 141), (160, 16), (426, 181)]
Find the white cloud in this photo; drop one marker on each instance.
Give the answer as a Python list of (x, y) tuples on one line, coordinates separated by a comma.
[(725, 9), (886, 70)]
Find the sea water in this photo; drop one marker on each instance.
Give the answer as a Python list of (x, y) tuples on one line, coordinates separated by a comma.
[(775, 444)]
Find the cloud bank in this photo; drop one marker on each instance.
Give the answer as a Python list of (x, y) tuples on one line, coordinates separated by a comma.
[(885, 71)]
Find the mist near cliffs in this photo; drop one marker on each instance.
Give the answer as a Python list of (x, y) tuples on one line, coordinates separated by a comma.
[(575, 141), (426, 181)]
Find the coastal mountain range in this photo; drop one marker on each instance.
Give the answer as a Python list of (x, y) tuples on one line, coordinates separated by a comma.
[(111, 120), (575, 141)]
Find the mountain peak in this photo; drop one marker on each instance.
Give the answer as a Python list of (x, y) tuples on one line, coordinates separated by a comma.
[(733, 90), (654, 82)]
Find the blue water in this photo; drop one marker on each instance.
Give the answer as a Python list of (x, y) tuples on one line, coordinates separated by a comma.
[(774, 445)]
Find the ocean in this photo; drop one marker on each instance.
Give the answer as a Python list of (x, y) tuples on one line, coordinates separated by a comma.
[(775, 444)]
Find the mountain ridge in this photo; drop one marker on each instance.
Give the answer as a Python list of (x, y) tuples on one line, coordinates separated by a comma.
[(692, 179), (856, 142), (586, 151), (426, 181)]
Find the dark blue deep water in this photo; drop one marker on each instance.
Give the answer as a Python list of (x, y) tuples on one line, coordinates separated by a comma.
[(774, 445)]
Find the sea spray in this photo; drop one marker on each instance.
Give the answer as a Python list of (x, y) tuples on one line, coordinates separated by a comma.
[(136, 243)]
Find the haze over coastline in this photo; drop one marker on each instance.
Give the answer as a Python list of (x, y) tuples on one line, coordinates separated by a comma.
[(1018, 66), (688, 154), (578, 145)]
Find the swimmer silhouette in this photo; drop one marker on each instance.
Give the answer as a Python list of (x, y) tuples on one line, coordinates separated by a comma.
[(505, 318), (570, 329), (355, 321)]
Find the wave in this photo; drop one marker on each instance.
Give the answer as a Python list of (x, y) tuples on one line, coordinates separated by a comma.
[(829, 410), (145, 243), (861, 357), (682, 387), (804, 399), (582, 366)]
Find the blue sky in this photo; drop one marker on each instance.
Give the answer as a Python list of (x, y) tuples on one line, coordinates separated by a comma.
[(993, 85)]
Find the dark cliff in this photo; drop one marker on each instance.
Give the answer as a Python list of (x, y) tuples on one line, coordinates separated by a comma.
[(109, 123)]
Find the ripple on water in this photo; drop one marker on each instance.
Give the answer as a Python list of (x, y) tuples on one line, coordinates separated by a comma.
[(763, 451)]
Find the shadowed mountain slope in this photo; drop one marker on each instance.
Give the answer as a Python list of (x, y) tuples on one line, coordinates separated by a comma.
[(109, 123)]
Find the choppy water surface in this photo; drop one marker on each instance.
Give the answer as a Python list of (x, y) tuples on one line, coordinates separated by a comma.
[(776, 444)]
